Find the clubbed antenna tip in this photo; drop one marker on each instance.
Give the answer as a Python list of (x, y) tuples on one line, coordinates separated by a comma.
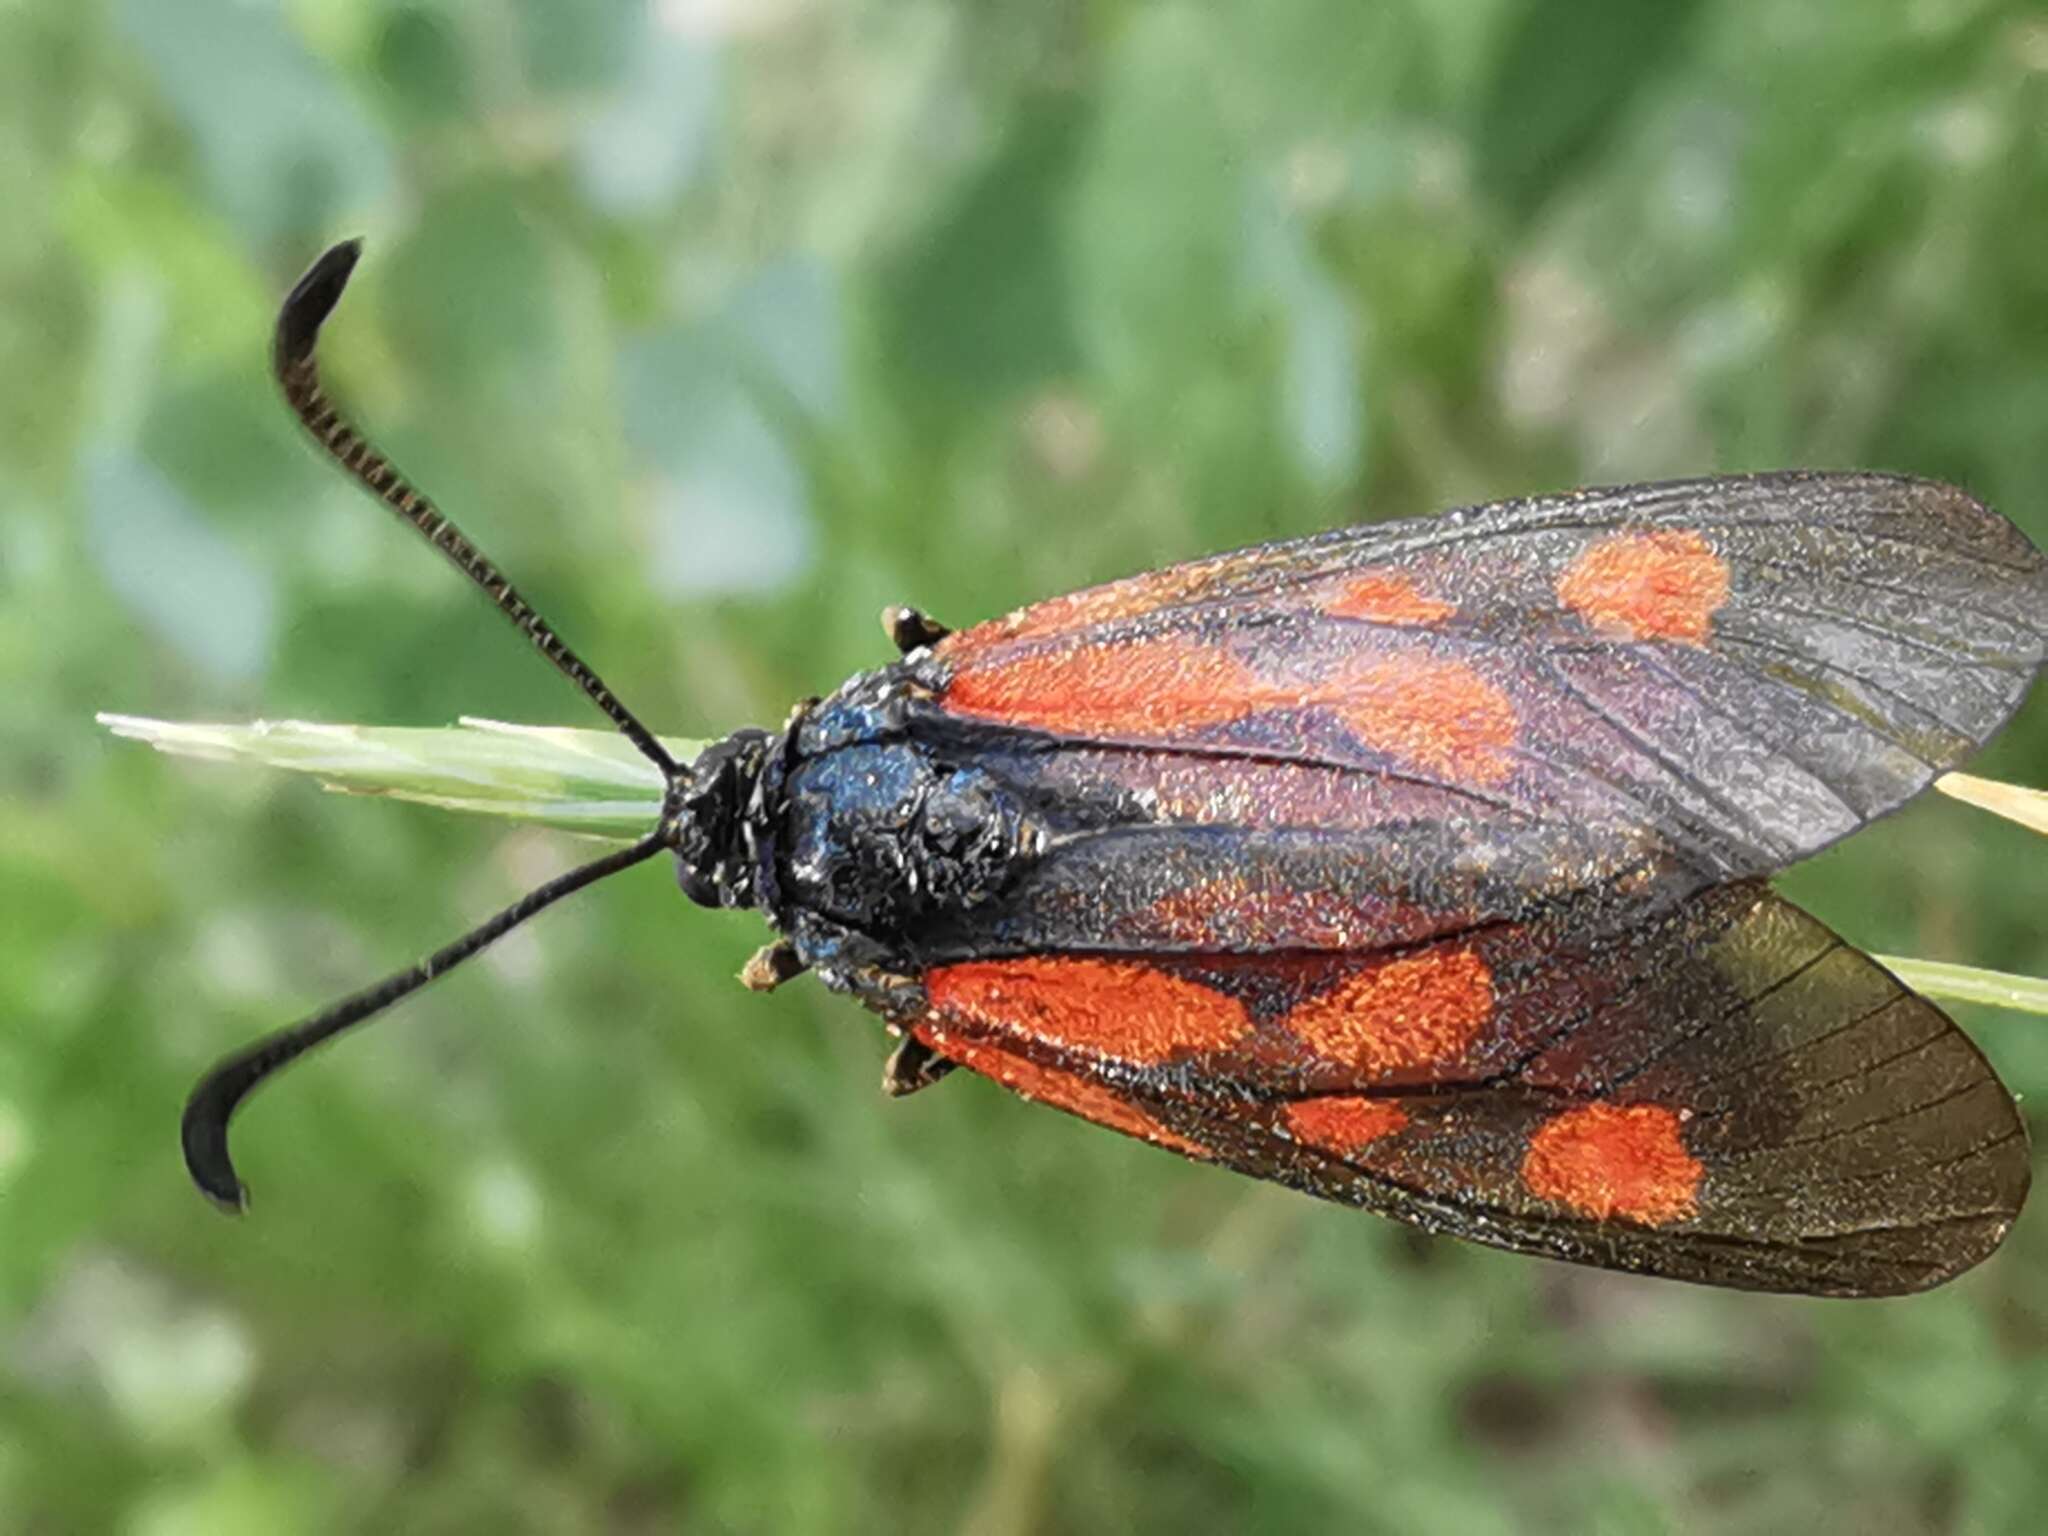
[(312, 300)]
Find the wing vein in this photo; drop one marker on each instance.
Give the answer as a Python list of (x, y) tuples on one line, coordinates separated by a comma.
[(1658, 755), (1672, 1042), (1749, 639), (1889, 1117)]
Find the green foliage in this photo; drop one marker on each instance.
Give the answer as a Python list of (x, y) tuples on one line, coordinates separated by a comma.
[(724, 324)]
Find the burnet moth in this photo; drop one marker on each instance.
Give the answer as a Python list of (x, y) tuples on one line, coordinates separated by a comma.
[(1420, 867)]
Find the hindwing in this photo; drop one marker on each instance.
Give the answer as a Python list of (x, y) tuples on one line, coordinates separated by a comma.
[(1722, 1092)]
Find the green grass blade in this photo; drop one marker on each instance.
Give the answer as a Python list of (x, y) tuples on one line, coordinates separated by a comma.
[(584, 781), (1967, 984)]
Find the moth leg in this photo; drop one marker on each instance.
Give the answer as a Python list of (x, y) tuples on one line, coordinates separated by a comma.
[(771, 966), (912, 1065), (908, 630)]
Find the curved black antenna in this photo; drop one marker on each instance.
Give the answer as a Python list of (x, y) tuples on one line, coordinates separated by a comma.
[(305, 310), (213, 1103)]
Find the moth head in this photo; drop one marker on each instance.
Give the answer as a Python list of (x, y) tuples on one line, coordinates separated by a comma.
[(707, 827)]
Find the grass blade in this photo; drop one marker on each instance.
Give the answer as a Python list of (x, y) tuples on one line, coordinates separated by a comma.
[(583, 781), (1967, 984), (2028, 807)]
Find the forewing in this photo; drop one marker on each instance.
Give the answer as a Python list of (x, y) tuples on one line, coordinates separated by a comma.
[(1724, 1093), (1734, 672), (1154, 854)]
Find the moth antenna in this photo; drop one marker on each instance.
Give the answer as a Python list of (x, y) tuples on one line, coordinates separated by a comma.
[(220, 1093), (304, 311)]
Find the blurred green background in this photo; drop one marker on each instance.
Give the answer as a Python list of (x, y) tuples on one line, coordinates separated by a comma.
[(722, 323)]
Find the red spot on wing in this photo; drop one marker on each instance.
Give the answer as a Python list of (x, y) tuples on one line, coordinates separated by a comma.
[(1114, 1008), (1105, 604), (1193, 914), (1431, 713), (1665, 585), (1421, 1010), (1137, 688), (1345, 1125), (1604, 1160), (1236, 912), (1385, 597), (1062, 1089)]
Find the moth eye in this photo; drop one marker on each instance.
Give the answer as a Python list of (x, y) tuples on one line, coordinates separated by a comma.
[(695, 884)]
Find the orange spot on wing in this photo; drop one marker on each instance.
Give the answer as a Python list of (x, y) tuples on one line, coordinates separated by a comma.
[(1112, 1007), (1430, 712), (1140, 687), (1065, 1090), (1192, 914), (1345, 1125), (1665, 585), (1420, 1010), (1232, 911), (1603, 1160), (1105, 604), (1386, 597)]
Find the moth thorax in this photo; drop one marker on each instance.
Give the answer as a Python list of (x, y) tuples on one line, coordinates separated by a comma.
[(884, 837)]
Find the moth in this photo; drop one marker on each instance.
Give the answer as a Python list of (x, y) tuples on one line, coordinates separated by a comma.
[(1420, 867)]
